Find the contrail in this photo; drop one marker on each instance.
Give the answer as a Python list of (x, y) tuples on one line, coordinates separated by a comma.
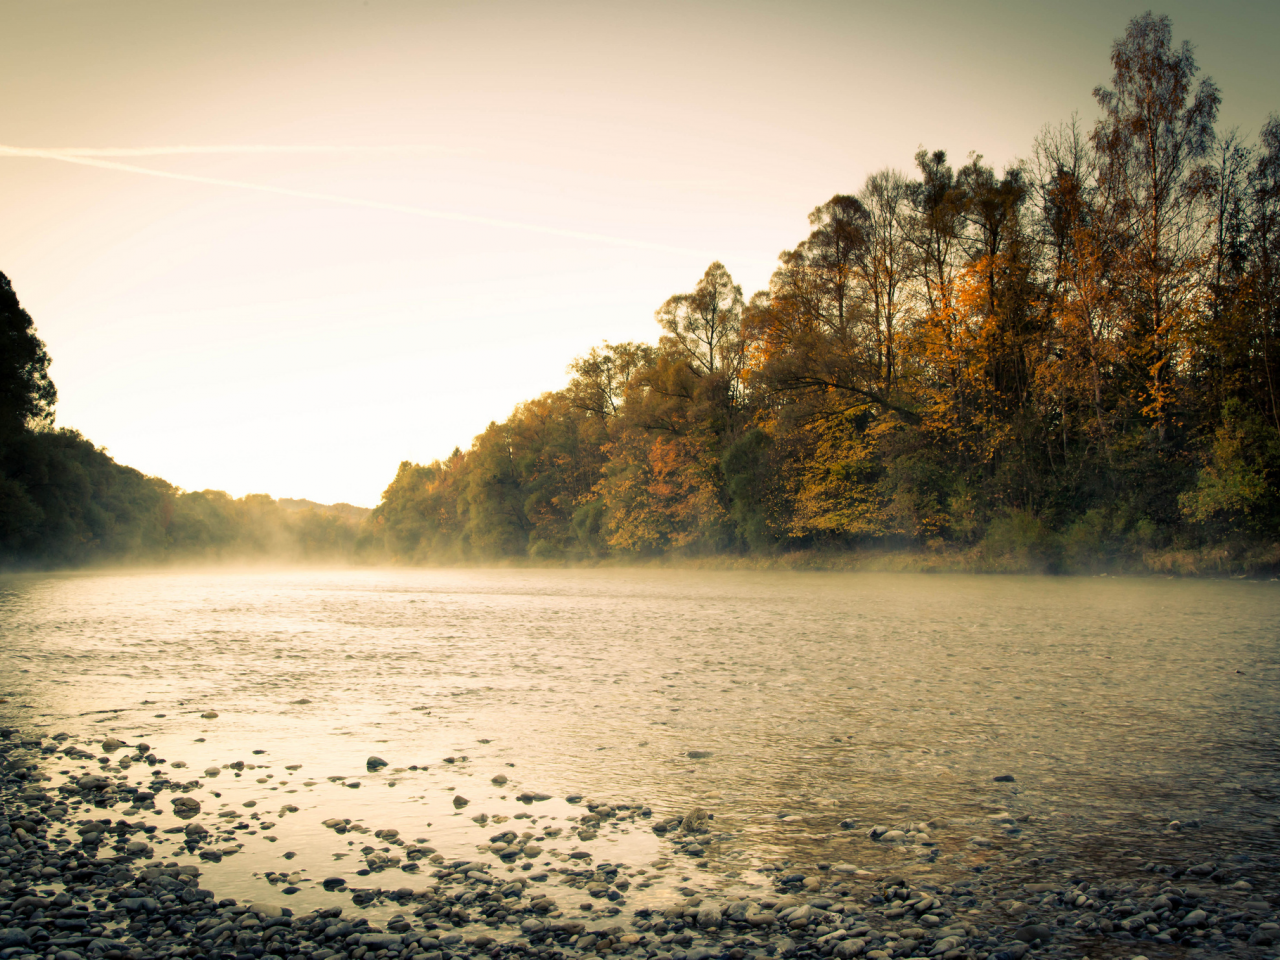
[(88, 158), (262, 148)]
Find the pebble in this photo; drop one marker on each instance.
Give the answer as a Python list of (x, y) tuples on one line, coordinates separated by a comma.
[(1034, 931), (836, 910)]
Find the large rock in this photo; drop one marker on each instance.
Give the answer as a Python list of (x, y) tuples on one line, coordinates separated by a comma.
[(709, 917), (801, 916), (1034, 931), (695, 821), (373, 764), (167, 884), (13, 937), (946, 945), (100, 945)]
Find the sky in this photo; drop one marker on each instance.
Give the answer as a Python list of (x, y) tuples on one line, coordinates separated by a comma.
[(304, 240)]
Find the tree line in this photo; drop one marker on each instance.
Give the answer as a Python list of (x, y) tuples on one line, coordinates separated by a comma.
[(66, 503), (1068, 364)]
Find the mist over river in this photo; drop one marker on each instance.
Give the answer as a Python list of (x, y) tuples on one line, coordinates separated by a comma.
[(782, 703)]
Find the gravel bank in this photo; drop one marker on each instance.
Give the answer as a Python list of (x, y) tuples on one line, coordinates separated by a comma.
[(81, 881)]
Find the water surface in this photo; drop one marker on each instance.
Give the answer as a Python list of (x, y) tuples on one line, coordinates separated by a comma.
[(1116, 705)]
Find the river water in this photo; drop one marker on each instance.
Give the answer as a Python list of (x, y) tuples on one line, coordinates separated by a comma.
[(809, 699)]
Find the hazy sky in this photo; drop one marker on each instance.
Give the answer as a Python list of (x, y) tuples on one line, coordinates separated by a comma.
[(506, 185)]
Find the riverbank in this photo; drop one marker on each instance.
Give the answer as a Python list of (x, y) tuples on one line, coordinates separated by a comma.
[(1255, 561), (1218, 561), (107, 853)]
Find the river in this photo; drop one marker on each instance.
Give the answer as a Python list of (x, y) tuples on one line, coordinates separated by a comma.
[(783, 703)]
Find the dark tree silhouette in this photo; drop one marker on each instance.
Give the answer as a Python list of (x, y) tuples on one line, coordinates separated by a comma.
[(27, 395)]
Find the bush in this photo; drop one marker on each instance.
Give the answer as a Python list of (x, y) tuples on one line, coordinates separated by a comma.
[(1020, 542)]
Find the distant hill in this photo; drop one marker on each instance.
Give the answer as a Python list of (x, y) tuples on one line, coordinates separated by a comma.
[(346, 511)]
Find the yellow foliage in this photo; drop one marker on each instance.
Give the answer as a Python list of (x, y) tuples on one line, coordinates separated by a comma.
[(834, 488)]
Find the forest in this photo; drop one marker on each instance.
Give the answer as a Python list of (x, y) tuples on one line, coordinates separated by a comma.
[(1068, 365), (66, 503)]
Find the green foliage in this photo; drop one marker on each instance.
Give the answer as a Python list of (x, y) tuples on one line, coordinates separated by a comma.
[(75, 505), (65, 502), (587, 526), (1238, 488), (746, 469), (1020, 541), (418, 517), (918, 483)]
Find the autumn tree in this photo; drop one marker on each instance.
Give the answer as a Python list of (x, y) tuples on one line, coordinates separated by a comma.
[(1153, 142), (600, 378), (955, 355), (1220, 334), (1264, 255), (1077, 374), (664, 487), (705, 325), (886, 263), (936, 230), (816, 338)]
